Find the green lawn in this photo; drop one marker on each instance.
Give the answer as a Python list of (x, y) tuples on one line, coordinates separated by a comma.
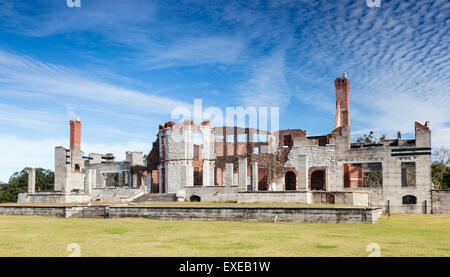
[(401, 235)]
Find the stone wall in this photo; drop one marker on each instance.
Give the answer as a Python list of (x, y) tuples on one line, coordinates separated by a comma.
[(54, 211), (306, 197), (302, 197), (99, 180), (341, 198), (53, 197), (302, 158), (440, 201), (124, 194), (263, 214), (375, 195), (213, 193)]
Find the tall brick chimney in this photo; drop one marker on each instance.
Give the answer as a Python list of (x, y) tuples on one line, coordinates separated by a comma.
[(342, 102), (75, 134)]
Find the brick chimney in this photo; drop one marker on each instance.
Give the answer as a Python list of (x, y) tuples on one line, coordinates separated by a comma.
[(75, 134), (342, 102)]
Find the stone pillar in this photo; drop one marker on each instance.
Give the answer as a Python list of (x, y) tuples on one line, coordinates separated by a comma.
[(255, 176), (229, 174), (148, 182), (89, 181), (302, 178), (208, 173), (121, 179), (134, 182), (60, 163), (31, 181), (67, 183), (189, 174), (219, 176), (160, 180), (242, 174), (95, 178)]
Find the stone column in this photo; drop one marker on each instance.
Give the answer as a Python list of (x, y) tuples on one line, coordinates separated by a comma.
[(242, 174), (67, 188), (219, 176), (121, 179), (134, 182), (229, 174), (148, 182), (255, 176), (302, 178), (31, 181), (126, 178), (95, 178), (89, 181), (208, 173), (160, 179)]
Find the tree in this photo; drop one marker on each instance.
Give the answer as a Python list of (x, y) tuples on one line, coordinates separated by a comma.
[(18, 182), (440, 169), (145, 159), (370, 138)]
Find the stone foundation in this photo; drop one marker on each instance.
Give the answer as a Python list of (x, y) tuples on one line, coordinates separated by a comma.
[(213, 193), (53, 211), (53, 197), (262, 214)]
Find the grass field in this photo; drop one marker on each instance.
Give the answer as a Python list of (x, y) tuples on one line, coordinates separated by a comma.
[(400, 235)]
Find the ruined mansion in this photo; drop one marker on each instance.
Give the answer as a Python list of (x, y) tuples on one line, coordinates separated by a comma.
[(201, 162)]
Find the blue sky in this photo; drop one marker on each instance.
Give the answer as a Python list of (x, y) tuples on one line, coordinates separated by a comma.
[(122, 66)]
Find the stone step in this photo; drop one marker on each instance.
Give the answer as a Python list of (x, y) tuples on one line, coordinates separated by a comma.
[(156, 197)]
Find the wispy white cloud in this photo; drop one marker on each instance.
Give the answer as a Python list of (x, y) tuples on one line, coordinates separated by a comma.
[(396, 56), (195, 51), (267, 85), (29, 119), (156, 41), (24, 74)]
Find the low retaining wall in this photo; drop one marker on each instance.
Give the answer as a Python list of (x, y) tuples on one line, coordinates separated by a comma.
[(53, 197), (305, 197), (341, 198), (123, 194), (440, 201), (54, 211), (263, 214), (302, 197), (212, 193)]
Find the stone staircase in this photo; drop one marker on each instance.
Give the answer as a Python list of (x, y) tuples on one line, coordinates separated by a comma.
[(156, 197), (92, 212)]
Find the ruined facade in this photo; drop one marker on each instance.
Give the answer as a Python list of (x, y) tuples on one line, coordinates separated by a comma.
[(230, 163), (96, 177), (200, 162)]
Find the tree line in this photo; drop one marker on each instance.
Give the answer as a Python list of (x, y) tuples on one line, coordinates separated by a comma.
[(18, 182)]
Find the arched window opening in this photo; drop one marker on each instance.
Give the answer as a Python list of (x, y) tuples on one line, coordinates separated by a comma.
[(409, 199), (195, 198), (290, 181)]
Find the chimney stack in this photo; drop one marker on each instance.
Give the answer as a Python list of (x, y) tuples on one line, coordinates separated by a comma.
[(75, 134), (342, 102)]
